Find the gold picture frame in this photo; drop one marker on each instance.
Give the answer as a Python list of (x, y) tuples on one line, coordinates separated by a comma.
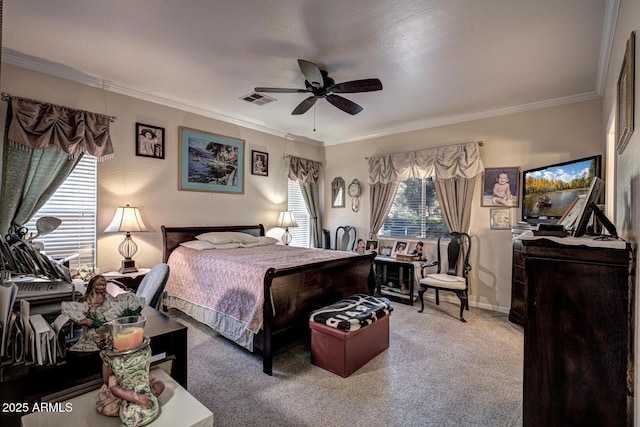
[(625, 96)]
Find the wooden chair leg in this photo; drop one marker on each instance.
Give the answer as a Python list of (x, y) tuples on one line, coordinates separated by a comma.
[(437, 296), (464, 302), (421, 292)]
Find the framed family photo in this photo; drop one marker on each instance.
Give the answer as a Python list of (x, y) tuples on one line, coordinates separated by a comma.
[(149, 141), (399, 248), (210, 162), (259, 163), (625, 96), (500, 187)]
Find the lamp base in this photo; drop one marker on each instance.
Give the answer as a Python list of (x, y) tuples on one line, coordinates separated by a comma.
[(128, 266)]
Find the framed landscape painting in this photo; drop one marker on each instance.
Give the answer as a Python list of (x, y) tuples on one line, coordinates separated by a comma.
[(210, 162)]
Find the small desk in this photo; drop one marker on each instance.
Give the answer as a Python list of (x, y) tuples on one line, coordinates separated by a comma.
[(397, 273), (29, 383)]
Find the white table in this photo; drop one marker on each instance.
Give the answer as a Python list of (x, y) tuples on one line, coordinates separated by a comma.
[(177, 408)]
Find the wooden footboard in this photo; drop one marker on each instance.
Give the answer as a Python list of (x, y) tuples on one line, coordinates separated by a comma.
[(291, 294)]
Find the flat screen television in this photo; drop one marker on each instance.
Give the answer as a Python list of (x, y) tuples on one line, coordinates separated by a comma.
[(549, 191)]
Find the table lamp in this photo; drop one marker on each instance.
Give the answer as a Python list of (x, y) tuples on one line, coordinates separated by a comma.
[(127, 219), (286, 220)]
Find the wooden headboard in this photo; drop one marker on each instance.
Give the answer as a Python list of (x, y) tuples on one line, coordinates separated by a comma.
[(173, 236)]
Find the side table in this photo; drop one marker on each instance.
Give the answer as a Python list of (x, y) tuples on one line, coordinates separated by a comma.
[(399, 274), (130, 280)]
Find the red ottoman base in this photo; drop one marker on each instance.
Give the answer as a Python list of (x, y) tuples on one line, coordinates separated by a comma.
[(343, 352)]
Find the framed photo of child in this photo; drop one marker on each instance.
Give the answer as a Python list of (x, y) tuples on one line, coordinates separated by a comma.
[(501, 187)]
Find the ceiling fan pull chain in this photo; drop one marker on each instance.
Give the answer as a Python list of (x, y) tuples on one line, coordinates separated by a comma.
[(314, 118)]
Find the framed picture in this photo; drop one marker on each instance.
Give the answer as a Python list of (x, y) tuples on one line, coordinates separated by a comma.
[(400, 247), (259, 163), (500, 187), (625, 96), (149, 141), (210, 162), (372, 245), (500, 219)]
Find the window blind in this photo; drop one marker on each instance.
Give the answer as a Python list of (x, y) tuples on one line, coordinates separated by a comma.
[(415, 211), (301, 233), (75, 203)]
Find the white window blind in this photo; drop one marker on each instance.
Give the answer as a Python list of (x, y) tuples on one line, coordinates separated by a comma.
[(75, 204), (301, 233), (415, 211)]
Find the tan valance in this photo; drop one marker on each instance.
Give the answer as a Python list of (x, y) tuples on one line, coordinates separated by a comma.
[(438, 163), (36, 124), (304, 170)]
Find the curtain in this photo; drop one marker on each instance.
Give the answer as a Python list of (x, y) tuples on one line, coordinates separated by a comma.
[(455, 196), (307, 173), (440, 163), (453, 168), (43, 143), (382, 196)]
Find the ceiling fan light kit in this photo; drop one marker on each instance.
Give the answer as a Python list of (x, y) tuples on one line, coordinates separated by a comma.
[(320, 85)]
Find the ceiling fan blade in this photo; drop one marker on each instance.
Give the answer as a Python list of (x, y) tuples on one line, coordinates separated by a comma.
[(304, 106), (311, 73), (365, 85), (344, 104), (280, 90)]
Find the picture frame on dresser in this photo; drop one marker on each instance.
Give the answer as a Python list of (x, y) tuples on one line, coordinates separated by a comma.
[(210, 162), (625, 91)]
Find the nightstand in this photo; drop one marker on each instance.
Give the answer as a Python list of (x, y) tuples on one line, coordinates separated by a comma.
[(130, 280)]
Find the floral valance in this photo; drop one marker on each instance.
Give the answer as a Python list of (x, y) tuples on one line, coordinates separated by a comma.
[(438, 163), (304, 170), (36, 124)]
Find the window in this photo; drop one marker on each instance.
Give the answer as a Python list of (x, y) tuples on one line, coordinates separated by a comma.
[(75, 204), (301, 233), (415, 211)]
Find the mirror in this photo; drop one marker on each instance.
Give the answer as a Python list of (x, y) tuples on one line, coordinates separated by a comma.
[(337, 193)]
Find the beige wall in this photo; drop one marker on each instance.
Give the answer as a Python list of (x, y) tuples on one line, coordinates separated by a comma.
[(152, 184), (525, 140), (627, 164)]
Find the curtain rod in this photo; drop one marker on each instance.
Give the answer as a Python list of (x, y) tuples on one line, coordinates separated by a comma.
[(480, 143), (7, 97)]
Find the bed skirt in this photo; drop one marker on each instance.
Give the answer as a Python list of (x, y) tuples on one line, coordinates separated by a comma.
[(225, 325)]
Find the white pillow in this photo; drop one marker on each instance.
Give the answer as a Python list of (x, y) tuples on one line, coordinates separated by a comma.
[(262, 241), (232, 245), (198, 244), (221, 237)]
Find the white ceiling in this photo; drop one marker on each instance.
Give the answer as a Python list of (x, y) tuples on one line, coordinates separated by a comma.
[(440, 61)]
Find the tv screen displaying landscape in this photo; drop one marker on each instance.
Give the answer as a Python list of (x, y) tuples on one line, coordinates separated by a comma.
[(548, 192)]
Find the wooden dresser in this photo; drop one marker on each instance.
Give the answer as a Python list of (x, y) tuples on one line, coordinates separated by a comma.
[(578, 367)]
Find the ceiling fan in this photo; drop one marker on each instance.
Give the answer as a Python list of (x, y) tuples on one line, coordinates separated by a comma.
[(319, 83)]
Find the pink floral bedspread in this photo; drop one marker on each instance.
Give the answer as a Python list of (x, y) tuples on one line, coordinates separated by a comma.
[(231, 281)]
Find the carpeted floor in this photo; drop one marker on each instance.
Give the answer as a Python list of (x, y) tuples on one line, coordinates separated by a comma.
[(437, 371)]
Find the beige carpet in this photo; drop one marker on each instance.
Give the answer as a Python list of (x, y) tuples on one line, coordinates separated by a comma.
[(437, 371)]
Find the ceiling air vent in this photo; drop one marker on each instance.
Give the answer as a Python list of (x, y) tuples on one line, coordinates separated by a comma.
[(258, 99)]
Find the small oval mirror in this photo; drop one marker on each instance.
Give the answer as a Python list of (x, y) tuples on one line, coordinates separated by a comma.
[(337, 193)]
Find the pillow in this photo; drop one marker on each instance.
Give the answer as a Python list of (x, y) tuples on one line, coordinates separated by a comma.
[(221, 237), (262, 241), (232, 245), (198, 244)]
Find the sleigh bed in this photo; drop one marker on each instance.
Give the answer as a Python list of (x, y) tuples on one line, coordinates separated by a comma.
[(258, 295)]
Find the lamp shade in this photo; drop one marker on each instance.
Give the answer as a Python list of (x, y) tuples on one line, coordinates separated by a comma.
[(127, 219), (286, 219)]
